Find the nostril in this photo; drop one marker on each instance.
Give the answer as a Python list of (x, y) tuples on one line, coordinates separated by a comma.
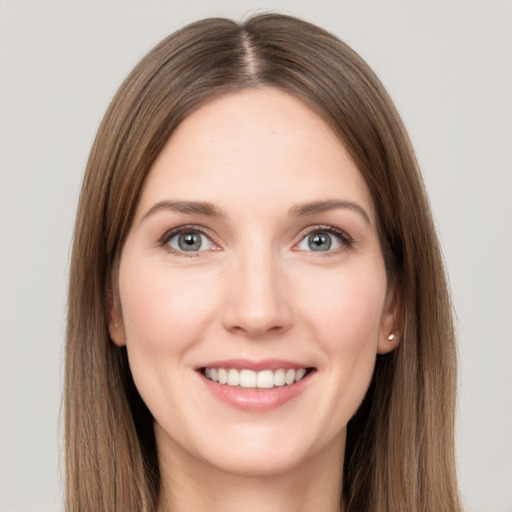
[(256, 329)]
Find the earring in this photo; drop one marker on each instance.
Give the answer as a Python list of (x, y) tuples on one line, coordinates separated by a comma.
[(391, 337)]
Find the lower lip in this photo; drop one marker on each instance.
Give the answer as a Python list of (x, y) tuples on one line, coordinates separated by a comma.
[(256, 399)]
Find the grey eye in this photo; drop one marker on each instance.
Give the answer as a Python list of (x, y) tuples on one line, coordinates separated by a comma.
[(190, 241), (320, 241)]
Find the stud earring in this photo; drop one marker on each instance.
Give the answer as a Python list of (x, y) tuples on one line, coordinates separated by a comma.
[(391, 337)]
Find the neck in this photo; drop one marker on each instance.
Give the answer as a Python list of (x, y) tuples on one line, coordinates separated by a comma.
[(189, 484)]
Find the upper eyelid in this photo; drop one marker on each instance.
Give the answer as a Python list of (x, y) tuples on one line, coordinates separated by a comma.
[(170, 233), (326, 228)]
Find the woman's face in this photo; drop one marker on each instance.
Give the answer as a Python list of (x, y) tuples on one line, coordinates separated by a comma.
[(253, 258)]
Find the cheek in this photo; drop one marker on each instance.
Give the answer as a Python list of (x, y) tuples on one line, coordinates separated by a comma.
[(163, 311), (345, 318), (348, 307)]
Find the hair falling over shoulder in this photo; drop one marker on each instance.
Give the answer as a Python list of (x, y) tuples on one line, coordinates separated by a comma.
[(400, 448)]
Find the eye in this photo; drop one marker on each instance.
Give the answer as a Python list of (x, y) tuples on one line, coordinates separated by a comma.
[(324, 240), (189, 241)]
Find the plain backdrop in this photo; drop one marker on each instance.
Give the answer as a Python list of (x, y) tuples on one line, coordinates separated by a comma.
[(448, 66)]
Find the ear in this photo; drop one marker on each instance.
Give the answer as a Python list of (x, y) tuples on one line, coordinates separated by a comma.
[(115, 322), (391, 322)]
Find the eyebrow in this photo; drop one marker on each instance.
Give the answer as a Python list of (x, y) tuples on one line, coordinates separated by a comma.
[(194, 207), (302, 210)]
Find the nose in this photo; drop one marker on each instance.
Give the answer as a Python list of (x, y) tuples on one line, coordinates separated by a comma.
[(257, 304)]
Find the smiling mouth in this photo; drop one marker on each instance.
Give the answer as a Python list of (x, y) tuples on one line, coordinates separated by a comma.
[(250, 379)]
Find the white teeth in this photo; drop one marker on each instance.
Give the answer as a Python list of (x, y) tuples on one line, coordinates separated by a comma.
[(265, 379), (223, 376), (299, 374), (290, 377), (247, 379), (233, 377), (279, 378)]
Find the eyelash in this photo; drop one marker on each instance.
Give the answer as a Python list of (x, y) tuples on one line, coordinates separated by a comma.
[(169, 235), (346, 240)]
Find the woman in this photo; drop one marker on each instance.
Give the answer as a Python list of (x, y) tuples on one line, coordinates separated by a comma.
[(258, 314)]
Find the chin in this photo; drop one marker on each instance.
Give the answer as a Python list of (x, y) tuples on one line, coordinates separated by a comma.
[(262, 464), (254, 452)]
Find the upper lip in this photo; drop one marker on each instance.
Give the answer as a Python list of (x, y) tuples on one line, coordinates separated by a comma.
[(257, 366)]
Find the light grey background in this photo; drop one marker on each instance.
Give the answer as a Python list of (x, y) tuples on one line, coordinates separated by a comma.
[(448, 65)]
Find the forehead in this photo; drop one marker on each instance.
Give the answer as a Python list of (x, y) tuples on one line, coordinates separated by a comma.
[(254, 148)]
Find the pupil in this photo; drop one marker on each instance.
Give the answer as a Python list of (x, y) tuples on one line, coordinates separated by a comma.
[(320, 242), (189, 242)]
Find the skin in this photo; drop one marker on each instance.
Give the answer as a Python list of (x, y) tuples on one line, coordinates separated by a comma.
[(255, 290)]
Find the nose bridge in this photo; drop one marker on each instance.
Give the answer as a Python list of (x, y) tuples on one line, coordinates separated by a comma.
[(257, 301)]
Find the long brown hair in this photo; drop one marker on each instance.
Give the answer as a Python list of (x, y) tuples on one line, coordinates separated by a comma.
[(400, 454)]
